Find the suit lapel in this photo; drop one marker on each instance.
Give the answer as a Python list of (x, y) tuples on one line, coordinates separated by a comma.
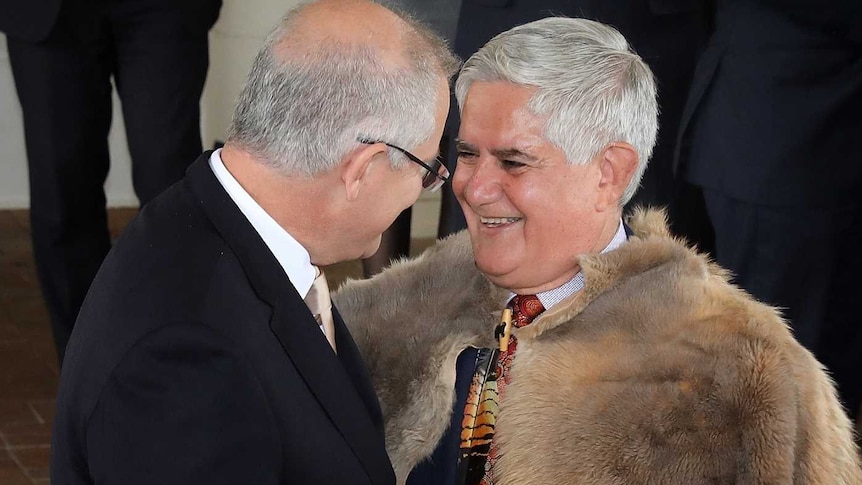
[(352, 363), (342, 394), (324, 374)]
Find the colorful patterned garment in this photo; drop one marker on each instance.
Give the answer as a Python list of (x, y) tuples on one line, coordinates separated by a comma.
[(477, 426), (478, 451)]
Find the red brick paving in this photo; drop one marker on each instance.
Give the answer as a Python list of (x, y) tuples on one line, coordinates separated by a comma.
[(28, 361)]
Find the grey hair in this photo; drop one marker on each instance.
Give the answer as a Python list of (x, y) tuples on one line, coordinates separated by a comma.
[(591, 87), (302, 114)]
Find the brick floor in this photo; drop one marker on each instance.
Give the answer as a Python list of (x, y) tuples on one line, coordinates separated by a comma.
[(28, 362)]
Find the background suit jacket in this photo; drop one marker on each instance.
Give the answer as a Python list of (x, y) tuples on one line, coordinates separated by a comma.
[(34, 20), (776, 103), (30, 20), (194, 360)]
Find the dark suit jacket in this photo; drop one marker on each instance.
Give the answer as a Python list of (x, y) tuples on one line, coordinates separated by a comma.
[(194, 360), (28, 20), (776, 103)]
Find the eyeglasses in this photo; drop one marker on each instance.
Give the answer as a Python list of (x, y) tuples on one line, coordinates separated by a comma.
[(437, 172)]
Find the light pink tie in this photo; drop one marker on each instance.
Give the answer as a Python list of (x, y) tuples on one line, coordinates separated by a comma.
[(321, 306)]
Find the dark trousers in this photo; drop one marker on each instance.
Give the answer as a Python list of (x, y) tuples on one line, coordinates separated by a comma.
[(158, 60), (808, 262)]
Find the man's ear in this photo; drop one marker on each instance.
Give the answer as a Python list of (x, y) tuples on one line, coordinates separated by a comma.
[(356, 168), (618, 164)]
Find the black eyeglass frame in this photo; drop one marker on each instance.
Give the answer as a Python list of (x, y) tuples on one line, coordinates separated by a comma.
[(431, 184)]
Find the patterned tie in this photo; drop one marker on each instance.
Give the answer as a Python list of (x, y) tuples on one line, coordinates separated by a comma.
[(525, 308), (321, 306)]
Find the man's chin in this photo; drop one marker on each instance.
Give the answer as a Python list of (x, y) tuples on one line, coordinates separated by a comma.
[(497, 273)]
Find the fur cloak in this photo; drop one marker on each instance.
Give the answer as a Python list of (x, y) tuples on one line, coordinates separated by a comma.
[(658, 371)]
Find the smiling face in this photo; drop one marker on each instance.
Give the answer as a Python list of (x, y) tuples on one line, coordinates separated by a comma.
[(528, 211)]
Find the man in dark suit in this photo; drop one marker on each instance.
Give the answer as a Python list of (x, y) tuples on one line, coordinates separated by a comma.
[(667, 34), (774, 112), (206, 350), (63, 55)]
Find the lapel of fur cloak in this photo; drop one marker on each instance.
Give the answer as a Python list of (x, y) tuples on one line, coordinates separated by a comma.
[(650, 246)]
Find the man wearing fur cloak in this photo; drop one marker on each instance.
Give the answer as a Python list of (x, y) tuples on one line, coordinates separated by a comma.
[(623, 356)]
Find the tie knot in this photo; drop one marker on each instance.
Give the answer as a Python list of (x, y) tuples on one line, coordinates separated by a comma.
[(525, 308), (317, 298)]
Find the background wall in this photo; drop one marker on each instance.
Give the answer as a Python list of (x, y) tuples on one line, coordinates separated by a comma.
[(234, 40)]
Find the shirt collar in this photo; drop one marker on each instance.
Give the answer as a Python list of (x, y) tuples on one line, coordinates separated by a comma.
[(292, 257), (552, 297)]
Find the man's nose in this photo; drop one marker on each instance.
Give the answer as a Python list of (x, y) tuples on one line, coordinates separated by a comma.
[(483, 186)]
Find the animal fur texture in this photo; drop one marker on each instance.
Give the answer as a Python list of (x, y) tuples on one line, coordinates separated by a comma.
[(658, 371)]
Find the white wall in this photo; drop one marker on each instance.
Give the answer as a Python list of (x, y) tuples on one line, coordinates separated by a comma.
[(234, 40), (13, 164)]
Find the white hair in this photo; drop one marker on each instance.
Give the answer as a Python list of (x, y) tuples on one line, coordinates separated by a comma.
[(301, 114), (590, 86)]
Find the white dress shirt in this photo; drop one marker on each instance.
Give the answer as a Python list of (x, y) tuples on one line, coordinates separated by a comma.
[(294, 258), (552, 297)]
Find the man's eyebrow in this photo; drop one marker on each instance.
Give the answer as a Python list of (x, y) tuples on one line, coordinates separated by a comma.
[(508, 153), (463, 145), (500, 154)]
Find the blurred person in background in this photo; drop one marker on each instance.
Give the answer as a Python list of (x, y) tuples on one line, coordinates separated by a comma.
[(774, 113), (64, 55)]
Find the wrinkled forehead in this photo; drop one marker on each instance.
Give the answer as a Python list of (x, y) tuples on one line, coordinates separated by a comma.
[(501, 112)]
